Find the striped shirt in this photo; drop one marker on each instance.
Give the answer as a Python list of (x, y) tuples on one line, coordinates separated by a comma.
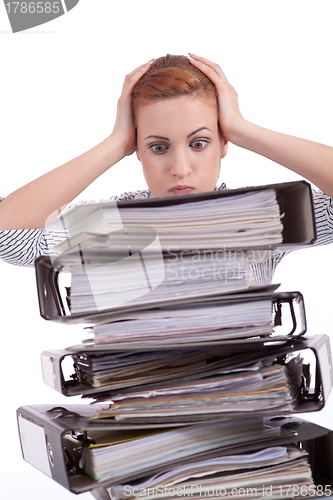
[(23, 247)]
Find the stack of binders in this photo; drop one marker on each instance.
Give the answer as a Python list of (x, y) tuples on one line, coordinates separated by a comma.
[(194, 370)]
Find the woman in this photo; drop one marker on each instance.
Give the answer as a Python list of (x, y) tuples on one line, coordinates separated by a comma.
[(178, 114)]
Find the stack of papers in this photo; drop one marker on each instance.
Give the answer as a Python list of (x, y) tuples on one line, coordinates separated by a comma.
[(189, 380), (186, 323), (270, 472), (261, 389), (98, 286), (176, 386), (120, 454), (138, 370), (240, 220)]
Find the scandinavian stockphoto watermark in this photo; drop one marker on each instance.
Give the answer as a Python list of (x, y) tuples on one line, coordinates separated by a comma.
[(113, 263), (124, 263), (29, 14)]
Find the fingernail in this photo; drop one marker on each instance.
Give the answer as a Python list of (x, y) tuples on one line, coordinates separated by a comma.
[(150, 62), (190, 57)]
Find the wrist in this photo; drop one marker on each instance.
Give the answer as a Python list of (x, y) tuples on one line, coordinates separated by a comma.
[(119, 146), (115, 147), (239, 132)]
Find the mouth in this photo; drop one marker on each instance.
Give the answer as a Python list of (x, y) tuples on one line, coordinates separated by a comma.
[(181, 190)]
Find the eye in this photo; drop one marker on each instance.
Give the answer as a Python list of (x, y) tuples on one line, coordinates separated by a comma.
[(198, 144), (159, 148)]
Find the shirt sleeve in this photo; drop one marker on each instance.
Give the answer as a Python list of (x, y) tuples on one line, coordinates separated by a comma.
[(22, 247)]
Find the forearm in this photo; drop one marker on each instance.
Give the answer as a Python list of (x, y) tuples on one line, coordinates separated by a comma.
[(311, 160), (31, 205)]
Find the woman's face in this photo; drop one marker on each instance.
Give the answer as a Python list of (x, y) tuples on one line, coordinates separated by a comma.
[(179, 145)]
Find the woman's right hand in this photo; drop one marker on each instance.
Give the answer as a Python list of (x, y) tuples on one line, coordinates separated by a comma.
[(30, 206), (124, 132)]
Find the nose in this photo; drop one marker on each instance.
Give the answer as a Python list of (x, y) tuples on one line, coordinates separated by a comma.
[(180, 164)]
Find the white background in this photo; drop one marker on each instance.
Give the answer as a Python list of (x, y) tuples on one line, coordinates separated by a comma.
[(59, 88)]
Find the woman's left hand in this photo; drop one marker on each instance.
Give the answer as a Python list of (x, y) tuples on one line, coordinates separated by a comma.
[(230, 117), (310, 159)]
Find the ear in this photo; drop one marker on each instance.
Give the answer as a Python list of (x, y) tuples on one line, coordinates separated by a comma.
[(224, 148)]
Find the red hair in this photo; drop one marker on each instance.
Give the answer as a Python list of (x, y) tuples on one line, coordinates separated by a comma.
[(171, 76)]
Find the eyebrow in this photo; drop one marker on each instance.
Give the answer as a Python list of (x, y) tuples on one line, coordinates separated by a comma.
[(198, 130), (157, 137), (167, 138)]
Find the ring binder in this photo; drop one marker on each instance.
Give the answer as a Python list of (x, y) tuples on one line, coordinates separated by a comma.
[(66, 450), (319, 345), (295, 202)]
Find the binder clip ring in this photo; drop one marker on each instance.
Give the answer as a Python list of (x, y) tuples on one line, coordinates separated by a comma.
[(62, 412), (50, 455)]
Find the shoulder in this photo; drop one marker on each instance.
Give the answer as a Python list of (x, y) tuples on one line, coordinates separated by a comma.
[(323, 207), (321, 199), (323, 212)]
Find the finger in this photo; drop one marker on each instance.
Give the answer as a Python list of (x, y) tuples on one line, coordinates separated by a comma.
[(209, 63), (141, 68), (202, 63), (135, 75)]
